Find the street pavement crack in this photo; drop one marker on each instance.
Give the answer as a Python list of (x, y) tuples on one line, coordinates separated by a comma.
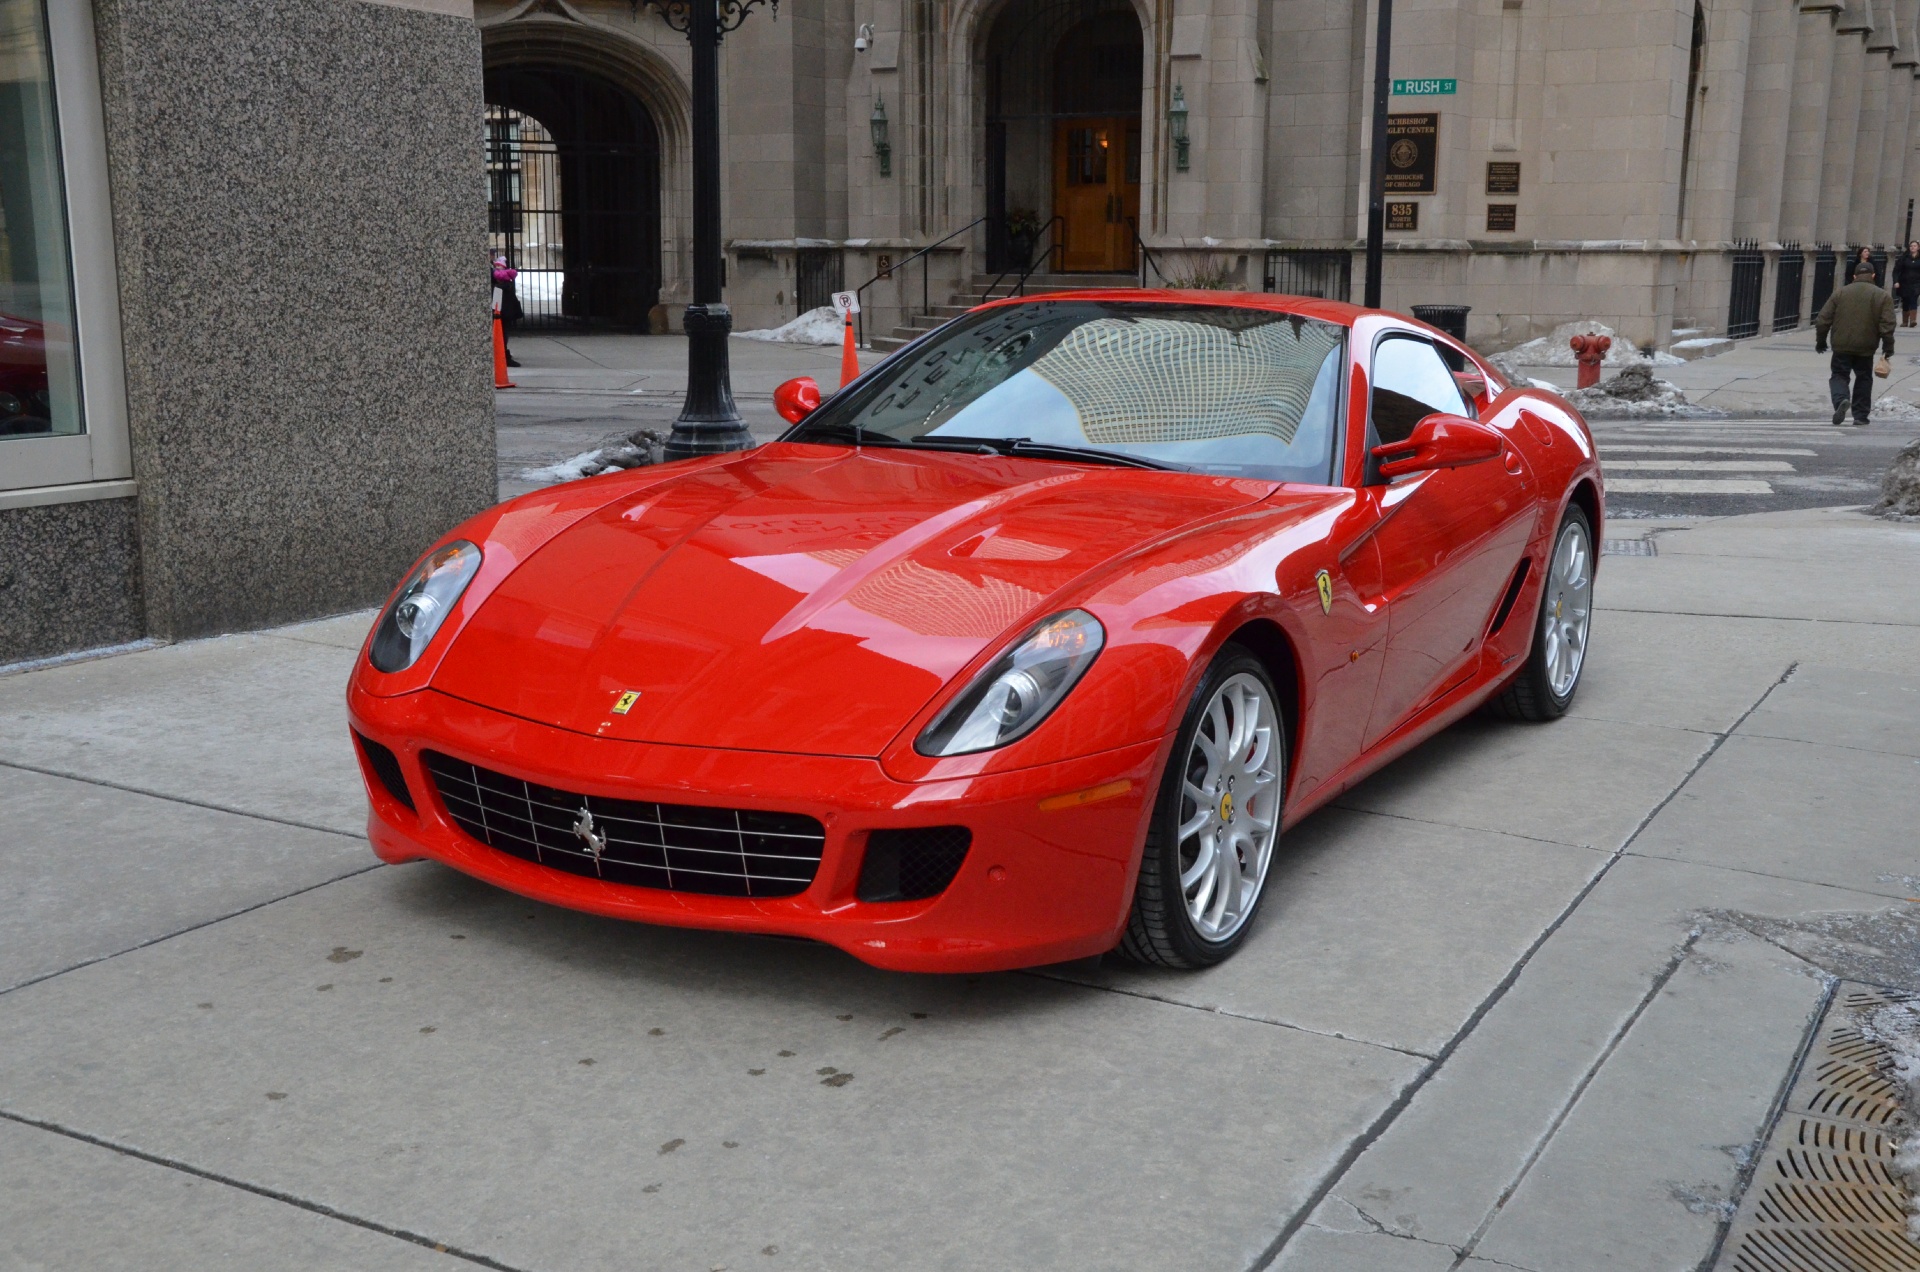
[(1428, 821), (259, 1190), (1221, 1011), (193, 927), (1757, 618), (1392, 1112), (182, 799)]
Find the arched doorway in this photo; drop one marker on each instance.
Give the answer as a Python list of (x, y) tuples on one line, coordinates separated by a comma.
[(1063, 90), (573, 194)]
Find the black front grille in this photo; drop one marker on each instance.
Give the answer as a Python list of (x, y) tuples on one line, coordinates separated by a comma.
[(725, 852), (386, 766), (913, 864)]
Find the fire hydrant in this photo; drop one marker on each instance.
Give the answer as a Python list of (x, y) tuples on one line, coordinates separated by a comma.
[(1588, 351)]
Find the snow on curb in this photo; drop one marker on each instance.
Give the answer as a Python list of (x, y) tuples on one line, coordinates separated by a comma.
[(815, 327), (1554, 351), (1897, 1028), (637, 451)]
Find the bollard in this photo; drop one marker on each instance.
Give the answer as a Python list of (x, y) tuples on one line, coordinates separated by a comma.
[(1588, 351)]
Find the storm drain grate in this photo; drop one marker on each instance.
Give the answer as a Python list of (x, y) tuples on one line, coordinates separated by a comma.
[(1628, 547), (1825, 1197)]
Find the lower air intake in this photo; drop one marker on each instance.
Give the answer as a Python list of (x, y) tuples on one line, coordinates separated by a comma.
[(386, 766), (914, 864), (729, 852)]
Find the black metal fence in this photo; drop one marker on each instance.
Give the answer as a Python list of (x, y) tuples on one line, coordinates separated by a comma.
[(1824, 263), (1749, 277), (1323, 275), (1788, 284), (818, 273)]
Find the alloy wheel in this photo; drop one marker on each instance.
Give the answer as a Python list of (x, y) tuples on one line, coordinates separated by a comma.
[(1229, 807), (1569, 608)]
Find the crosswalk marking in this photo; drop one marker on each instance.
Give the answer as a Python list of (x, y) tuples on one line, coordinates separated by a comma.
[(1709, 450), (1699, 465), (1687, 486)]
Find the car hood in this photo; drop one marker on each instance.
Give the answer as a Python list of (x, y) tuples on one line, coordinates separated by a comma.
[(802, 599)]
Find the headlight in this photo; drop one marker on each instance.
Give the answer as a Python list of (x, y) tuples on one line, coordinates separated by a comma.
[(423, 604), (1018, 689)]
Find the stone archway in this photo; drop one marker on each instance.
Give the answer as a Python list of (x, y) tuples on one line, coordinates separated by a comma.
[(633, 106)]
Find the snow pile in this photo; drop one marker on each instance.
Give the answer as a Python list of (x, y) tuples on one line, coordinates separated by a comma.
[(815, 327), (1900, 491), (1637, 394), (648, 446), (1554, 351), (1892, 408), (1897, 1028)]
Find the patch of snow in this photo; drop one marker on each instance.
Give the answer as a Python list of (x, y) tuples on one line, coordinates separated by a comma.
[(1892, 408), (1553, 350), (1548, 385), (1636, 393), (1699, 342), (644, 447), (815, 327)]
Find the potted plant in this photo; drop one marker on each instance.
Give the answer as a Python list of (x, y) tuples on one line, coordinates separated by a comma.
[(1023, 232)]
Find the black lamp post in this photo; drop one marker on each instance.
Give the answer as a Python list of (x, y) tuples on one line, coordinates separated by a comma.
[(1377, 191), (709, 422)]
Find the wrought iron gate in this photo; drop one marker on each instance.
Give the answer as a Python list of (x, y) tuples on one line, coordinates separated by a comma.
[(1824, 262), (1787, 286), (818, 273), (575, 219), (1323, 275), (1749, 275)]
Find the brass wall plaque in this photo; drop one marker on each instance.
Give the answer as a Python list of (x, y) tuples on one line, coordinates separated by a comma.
[(1503, 177), (1413, 153), (1500, 217), (1403, 216)]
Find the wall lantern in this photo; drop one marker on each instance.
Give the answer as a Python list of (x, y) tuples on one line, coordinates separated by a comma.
[(878, 122), (1177, 128)]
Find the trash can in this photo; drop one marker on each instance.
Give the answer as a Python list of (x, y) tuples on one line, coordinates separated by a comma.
[(1451, 319)]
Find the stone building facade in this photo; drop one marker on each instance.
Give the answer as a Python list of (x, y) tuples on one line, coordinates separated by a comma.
[(244, 371), (1654, 164)]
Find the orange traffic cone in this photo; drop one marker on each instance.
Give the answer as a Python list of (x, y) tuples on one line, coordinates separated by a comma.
[(500, 380), (849, 359)]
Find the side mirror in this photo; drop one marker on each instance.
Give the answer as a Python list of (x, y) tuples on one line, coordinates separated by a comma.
[(1439, 441), (797, 399)]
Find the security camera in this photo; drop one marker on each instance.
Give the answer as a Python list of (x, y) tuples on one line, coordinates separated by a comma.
[(864, 38)]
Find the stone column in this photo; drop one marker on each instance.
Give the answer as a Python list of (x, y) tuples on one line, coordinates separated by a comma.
[(1843, 122), (1767, 121), (1865, 200), (1890, 216), (1805, 152)]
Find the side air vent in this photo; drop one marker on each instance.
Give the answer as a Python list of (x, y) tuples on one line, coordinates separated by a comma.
[(914, 864), (1513, 594), (386, 766)]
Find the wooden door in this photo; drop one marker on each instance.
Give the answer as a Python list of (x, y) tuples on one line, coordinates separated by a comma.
[(1096, 193)]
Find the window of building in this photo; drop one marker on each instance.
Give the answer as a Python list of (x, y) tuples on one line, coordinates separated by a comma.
[(63, 432), (39, 365)]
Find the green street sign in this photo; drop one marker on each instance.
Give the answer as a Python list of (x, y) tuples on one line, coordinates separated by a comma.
[(1425, 87)]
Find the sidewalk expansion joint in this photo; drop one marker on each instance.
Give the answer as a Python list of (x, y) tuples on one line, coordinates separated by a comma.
[(1392, 1112), (1481, 830), (193, 927), (259, 1190), (1221, 1011), (182, 799), (1783, 878), (1756, 618)]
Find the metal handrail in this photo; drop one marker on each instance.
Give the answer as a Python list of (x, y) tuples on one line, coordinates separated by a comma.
[(1033, 262), (1145, 255), (926, 306)]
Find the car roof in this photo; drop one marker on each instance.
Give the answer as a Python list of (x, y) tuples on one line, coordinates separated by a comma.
[(1305, 306)]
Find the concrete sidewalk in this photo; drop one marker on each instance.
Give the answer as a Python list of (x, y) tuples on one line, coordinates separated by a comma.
[(1525, 999)]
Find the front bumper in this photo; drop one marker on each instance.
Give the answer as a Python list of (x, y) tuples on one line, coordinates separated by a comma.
[(1039, 885)]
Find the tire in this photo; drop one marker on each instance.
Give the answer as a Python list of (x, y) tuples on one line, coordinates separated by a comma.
[(1204, 921), (1545, 687)]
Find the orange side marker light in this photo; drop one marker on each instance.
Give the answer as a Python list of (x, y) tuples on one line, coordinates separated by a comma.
[(1092, 795)]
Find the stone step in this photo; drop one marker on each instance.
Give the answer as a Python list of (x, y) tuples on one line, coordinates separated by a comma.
[(887, 344), (1059, 282)]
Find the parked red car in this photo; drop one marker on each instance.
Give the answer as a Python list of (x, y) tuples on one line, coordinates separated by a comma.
[(1026, 646)]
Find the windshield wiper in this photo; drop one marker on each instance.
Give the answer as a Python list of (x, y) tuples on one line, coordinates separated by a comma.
[(838, 432), (1039, 450)]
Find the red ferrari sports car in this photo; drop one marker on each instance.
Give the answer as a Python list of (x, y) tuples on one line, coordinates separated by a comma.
[(1026, 646)]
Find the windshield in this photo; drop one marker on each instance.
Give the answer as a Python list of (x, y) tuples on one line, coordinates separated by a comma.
[(1208, 388)]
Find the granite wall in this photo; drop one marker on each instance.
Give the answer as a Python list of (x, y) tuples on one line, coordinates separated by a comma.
[(300, 217), (69, 578)]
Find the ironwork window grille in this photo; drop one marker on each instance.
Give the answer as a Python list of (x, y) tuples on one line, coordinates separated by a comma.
[(1789, 284), (1749, 276), (1322, 275), (1825, 261)]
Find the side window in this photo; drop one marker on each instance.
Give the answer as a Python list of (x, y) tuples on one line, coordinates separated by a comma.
[(1410, 382)]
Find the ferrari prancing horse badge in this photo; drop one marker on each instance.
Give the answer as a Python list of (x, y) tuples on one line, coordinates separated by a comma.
[(1325, 583), (626, 701)]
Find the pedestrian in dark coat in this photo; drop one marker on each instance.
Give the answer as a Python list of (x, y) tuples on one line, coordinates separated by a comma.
[(1857, 317), (1906, 285), (503, 276), (1865, 257)]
